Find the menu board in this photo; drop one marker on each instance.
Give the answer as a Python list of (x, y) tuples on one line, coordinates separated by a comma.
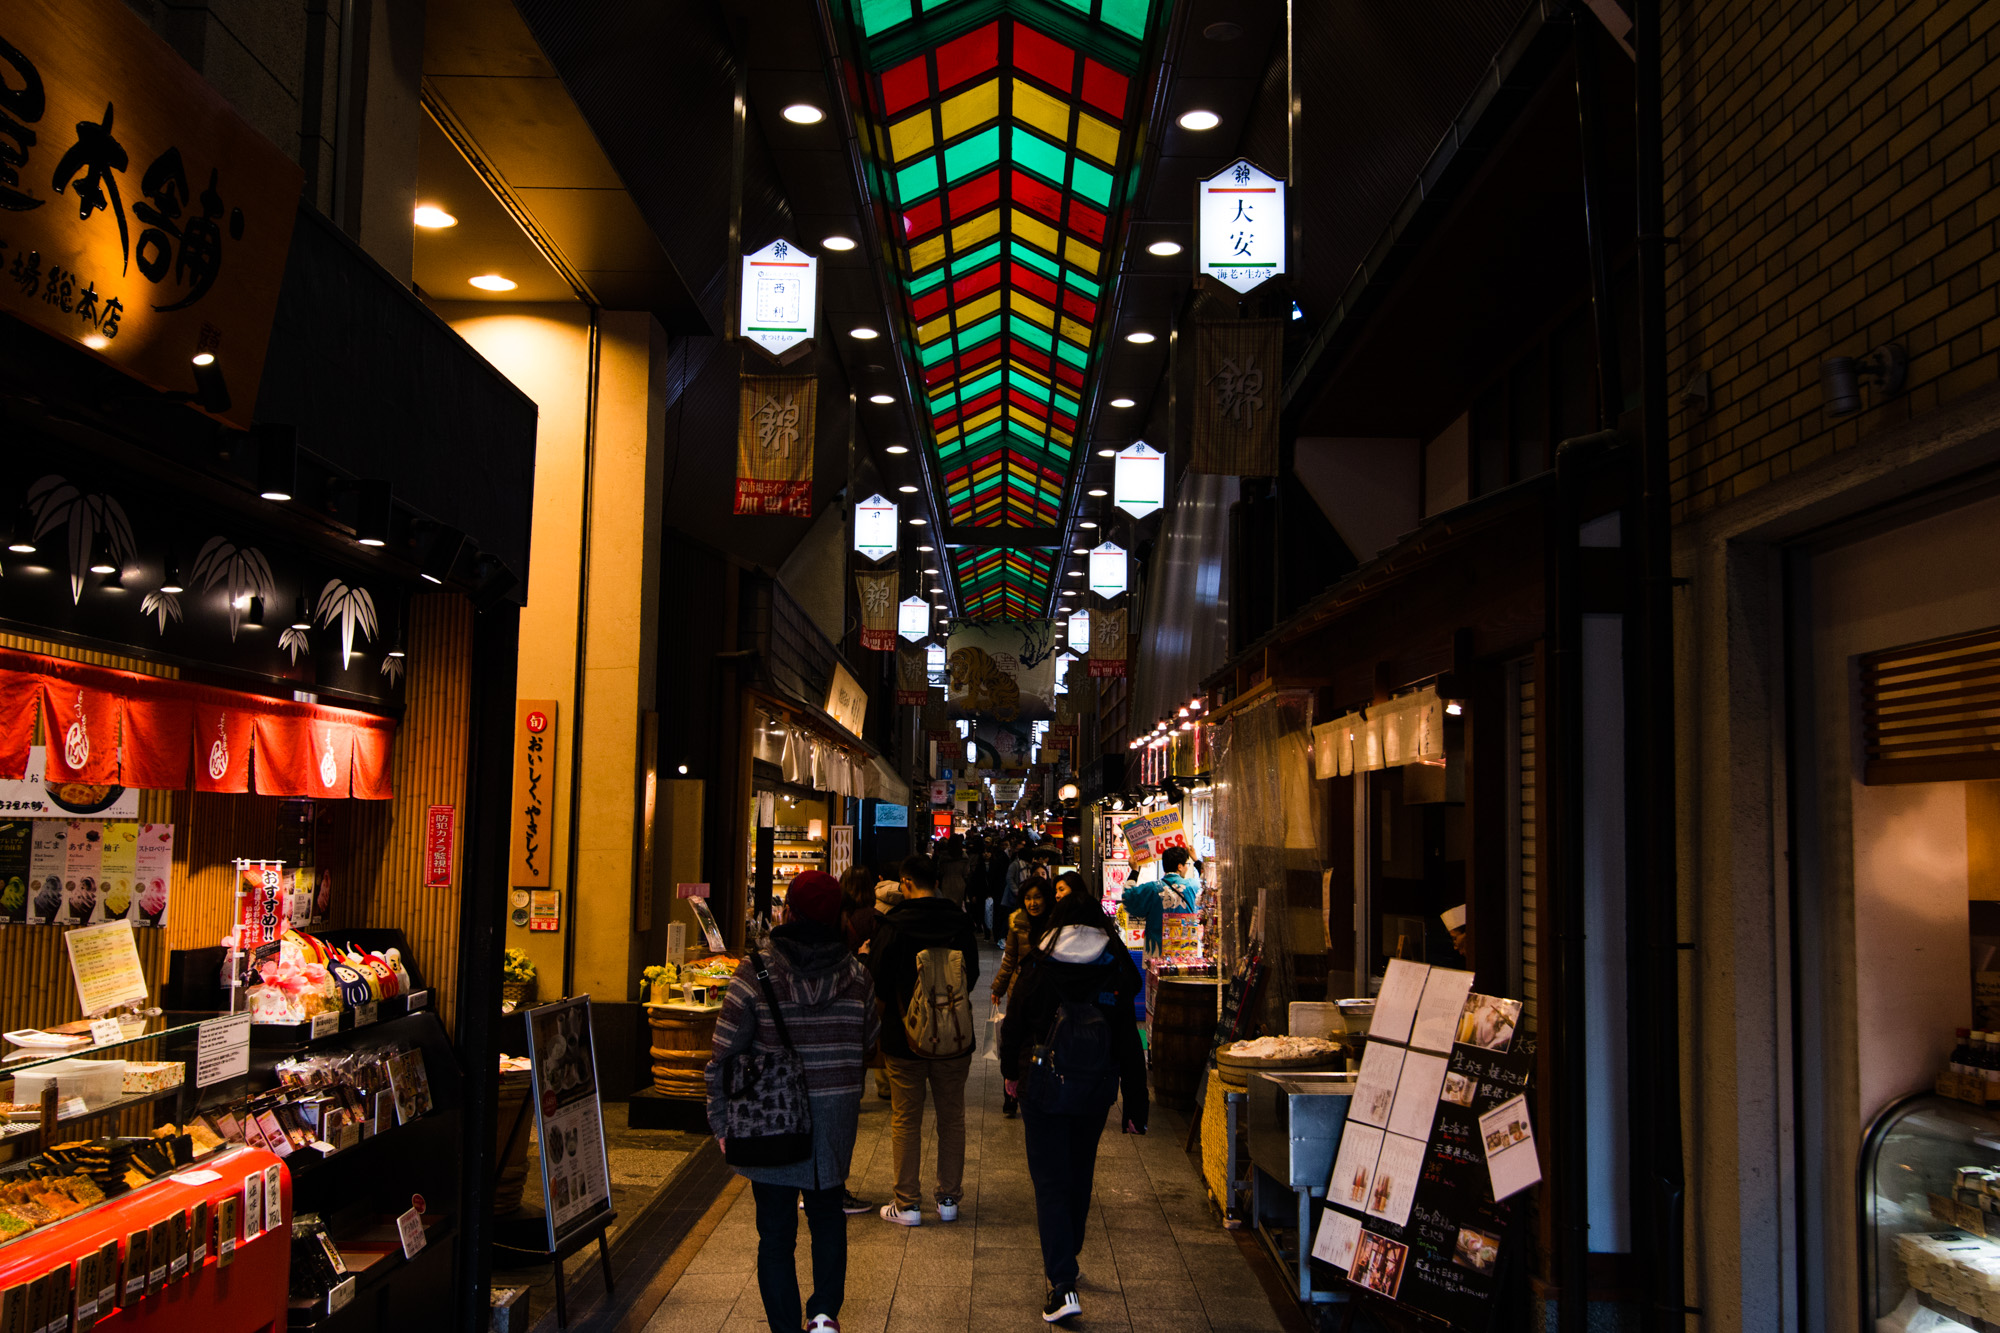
[(569, 1122), (1434, 1146)]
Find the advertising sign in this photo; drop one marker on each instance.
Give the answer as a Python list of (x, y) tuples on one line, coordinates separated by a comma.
[(1107, 570), (534, 793), (846, 701), (569, 1122), (890, 815), (1079, 632), (913, 618), (1139, 479), (875, 527), (33, 796), (140, 217), (1240, 226), (780, 297)]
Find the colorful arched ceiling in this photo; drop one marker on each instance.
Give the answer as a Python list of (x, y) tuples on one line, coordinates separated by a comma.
[(1005, 136)]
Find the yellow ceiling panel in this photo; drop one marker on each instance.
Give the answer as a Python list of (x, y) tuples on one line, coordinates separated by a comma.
[(911, 135), (1032, 229), (1093, 136), (981, 228), (927, 253), (1048, 114), (971, 109), (973, 311)]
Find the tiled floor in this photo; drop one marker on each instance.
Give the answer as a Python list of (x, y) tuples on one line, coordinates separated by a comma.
[(1155, 1258)]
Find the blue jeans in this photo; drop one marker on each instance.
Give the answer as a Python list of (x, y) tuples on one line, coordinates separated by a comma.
[(1062, 1163), (777, 1243)]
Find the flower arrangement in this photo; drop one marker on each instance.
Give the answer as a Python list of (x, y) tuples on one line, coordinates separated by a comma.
[(660, 979), (517, 967)]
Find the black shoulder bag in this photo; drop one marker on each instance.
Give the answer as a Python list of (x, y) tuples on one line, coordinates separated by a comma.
[(770, 1113)]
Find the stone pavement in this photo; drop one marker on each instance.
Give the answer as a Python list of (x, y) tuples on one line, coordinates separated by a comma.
[(1156, 1258)]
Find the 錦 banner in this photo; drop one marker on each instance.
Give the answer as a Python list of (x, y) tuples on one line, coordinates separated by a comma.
[(912, 676), (1238, 365), (1107, 643), (878, 610), (774, 444)]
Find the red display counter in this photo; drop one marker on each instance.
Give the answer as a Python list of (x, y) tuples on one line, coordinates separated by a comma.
[(232, 1279)]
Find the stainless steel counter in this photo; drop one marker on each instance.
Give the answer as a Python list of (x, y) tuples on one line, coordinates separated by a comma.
[(1295, 1124)]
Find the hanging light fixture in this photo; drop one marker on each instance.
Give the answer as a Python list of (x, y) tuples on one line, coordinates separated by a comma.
[(101, 561), (300, 620), (23, 542)]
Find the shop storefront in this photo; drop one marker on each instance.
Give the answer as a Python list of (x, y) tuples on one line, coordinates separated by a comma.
[(250, 643)]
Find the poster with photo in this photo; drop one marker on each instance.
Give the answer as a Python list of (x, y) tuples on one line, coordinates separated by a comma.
[(1488, 1022), (80, 905), (1509, 1140), (569, 1120), (48, 860), (1378, 1264), (16, 846), (1375, 1087), (153, 873), (117, 873)]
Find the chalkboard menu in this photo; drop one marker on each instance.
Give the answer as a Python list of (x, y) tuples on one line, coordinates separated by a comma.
[(1437, 1138)]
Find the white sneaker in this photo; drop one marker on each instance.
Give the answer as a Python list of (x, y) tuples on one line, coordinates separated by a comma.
[(902, 1217), (823, 1323), (947, 1210)]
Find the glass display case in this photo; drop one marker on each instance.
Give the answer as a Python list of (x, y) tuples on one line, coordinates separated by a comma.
[(1929, 1207)]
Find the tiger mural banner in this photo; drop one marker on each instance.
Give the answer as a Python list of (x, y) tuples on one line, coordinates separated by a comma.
[(1107, 643), (775, 430), (1002, 669), (878, 611)]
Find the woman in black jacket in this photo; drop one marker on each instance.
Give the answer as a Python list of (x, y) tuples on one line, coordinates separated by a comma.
[(1066, 1074)]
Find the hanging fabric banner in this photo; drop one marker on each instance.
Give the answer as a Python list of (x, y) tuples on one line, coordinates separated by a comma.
[(774, 444), (912, 675), (878, 610), (1237, 371), (1107, 643)]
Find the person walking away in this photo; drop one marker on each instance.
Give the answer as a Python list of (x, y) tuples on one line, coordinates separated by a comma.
[(952, 868), (809, 982), (1152, 900), (925, 959), (857, 906), (888, 897), (1068, 1048), (1023, 929)]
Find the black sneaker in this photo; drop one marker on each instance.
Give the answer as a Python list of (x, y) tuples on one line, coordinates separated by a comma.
[(852, 1203), (1062, 1303)]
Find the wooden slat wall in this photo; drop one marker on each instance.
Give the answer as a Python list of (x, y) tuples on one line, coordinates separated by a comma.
[(1930, 712), (380, 864), (385, 884)]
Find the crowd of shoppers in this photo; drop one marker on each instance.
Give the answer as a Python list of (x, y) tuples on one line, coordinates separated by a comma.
[(872, 970)]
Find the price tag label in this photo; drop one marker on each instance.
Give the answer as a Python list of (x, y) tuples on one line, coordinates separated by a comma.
[(225, 1251), (364, 1014), (419, 999), (106, 1031), (177, 1267), (410, 1227), (325, 1025), (73, 1107), (346, 1137), (341, 1296), (158, 1276), (222, 1050)]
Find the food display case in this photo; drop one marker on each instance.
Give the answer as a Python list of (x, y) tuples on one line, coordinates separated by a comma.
[(1929, 1208)]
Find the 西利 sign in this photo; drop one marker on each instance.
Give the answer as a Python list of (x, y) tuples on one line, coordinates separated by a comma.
[(1240, 226), (779, 297)]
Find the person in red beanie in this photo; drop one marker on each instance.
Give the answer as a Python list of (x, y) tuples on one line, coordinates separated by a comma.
[(826, 1001)]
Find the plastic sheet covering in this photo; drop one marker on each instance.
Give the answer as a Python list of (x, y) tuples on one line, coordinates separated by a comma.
[(1266, 823), (1184, 635)]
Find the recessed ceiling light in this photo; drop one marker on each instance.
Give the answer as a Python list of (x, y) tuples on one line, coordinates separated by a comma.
[(919, 522), (897, 449), (1107, 453), (838, 242), (925, 549), (1079, 550), (1199, 120), (204, 358), (1096, 490), (1073, 574), (429, 215), (880, 398), (804, 113), (930, 571), (1086, 524), (493, 282), (1164, 248), (1123, 402), (864, 333), (1141, 337), (907, 490)]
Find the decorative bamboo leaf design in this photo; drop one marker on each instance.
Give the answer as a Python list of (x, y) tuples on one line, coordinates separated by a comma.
[(55, 503), (294, 641), (243, 573), (164, 606), (392, 669), (353, 608)]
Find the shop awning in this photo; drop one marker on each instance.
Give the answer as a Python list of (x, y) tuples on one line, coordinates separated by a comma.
[(110, 727), (884, 785)]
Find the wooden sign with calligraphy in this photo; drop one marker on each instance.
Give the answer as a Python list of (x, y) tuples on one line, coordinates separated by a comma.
[(140, 216), (532, 839)]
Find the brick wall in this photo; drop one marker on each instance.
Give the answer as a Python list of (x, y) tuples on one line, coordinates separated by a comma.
[(1830, 175)]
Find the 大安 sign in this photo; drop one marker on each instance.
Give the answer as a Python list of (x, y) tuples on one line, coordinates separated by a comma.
[(1240, 226)]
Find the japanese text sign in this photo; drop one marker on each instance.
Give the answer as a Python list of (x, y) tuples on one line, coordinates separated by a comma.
[(1240, 236), (534, 793), (780, 296), (846, 701), (913, 618), (262, 905), (1107, 570), (1139, 479), (140, 216), (875, 527), (439, 822)]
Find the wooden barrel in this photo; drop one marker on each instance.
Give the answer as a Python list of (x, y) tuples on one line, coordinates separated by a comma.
[(682, 1040), (1183, 1027)]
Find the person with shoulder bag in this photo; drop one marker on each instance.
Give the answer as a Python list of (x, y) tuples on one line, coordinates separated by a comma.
[(1025, 927), (925, 959), (784, 1095), (1069, 1047)]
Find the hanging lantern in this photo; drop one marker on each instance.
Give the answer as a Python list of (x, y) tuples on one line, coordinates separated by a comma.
[(1139, 479), (913, 618), (1079, 631), (1107, 570), (875, 527)]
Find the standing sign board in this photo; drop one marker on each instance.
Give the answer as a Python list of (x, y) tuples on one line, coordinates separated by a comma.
[(779, 298), (569, 1121), (1240, 226), (529, 841), (140, 217)]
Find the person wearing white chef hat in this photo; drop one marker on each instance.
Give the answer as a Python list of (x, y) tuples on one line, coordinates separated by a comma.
[(1461, 934)]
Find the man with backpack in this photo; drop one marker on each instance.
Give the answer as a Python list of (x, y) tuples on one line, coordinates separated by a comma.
[(1152, 900), (925, 959), (1068, 1048)]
